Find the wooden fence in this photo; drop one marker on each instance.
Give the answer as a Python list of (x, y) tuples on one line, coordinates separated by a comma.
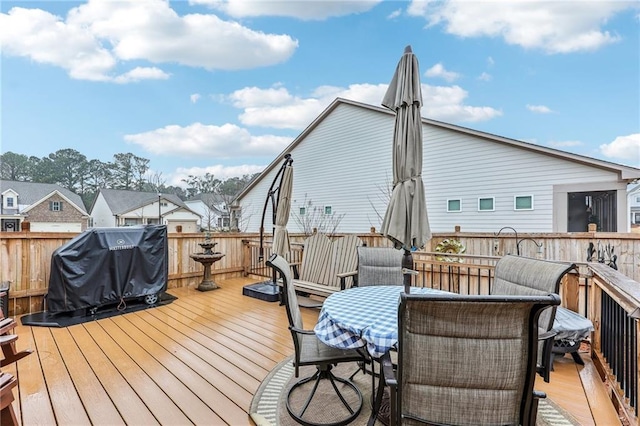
[(25, 257)]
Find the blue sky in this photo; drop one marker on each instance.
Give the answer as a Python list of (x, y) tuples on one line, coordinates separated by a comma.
[(224, 86)]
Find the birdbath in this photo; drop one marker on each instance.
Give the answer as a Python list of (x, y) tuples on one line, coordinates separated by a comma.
[(207, 258)]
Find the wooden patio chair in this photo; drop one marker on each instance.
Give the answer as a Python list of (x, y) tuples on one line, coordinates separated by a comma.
[(466, 360), (8, 341), (516, 275), (7, 415), (311, 351), (323, 261)]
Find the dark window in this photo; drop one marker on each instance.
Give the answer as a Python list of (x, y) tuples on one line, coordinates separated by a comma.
[(597, 207)]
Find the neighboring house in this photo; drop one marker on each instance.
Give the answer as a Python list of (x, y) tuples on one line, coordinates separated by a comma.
[(634, 207), (116, 207), (40, 207), (212, 209), (479, 181)]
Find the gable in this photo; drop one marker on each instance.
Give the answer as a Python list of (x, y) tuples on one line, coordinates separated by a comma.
[(59, 198), (344, 161)]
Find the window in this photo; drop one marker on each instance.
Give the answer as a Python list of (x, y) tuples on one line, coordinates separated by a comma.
[(523, 202), (55, 206), (636, 218), (9, 201), (303, 211), (485, 204), (638, 199), (327, 210), (454, 205)]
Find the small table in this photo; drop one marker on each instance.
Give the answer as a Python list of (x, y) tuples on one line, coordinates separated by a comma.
[(571, 328)]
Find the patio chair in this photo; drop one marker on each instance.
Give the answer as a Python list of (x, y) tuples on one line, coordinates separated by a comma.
[(466, 360), (311, 351), (378, 266), (516, 275), (7, 383), (8, 342)]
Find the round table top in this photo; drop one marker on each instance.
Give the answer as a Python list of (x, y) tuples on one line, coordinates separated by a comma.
[(363, 317)]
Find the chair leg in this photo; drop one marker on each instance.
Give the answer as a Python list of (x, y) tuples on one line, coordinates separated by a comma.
[(10, 354), (8, 417), (324, 373)]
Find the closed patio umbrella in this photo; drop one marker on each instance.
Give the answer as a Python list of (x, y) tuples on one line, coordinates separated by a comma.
[(280, 207), (279, 196), (405, 221), (280, 234)]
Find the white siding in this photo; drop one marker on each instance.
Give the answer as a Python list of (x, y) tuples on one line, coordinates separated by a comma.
[(340, 163), (467, 167), (55, 227), (101, 214), (345, 162)]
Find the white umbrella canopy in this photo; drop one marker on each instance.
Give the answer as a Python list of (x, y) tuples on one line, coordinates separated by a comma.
[(405, 221), (281, 244)]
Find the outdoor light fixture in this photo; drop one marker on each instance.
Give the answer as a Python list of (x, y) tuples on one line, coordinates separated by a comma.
[(495, 240), (539, 245)]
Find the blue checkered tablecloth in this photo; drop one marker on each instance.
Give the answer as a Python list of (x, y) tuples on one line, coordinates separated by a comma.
[(363, 317)]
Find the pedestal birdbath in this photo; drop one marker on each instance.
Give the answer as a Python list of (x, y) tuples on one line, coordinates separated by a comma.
[(207, 258)]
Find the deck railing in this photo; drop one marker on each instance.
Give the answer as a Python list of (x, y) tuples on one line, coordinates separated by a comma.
[(614, 309)]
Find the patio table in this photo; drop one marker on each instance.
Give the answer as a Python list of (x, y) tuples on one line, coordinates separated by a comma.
[(363, 317)]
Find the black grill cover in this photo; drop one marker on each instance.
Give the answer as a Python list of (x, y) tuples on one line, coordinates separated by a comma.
[(105, 265)]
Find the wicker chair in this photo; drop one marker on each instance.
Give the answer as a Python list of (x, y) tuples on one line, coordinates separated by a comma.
[(311, 351), (466, 360), (523, 276)]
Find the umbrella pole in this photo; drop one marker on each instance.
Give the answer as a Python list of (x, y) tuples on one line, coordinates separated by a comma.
[(407, 263)]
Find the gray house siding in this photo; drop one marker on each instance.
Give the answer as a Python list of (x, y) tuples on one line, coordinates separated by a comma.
[(343, 160)]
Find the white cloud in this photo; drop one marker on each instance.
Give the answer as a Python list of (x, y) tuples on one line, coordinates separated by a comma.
[(200, 140), (141, 73), (490, 62), (395, 14), (218, 170), (438, 70), (99, 36), (447, 104), (276, 107), (485, 76), (553, 26), (624, 148), (194, 98), (565, 144), (306, 10), (539, 109)]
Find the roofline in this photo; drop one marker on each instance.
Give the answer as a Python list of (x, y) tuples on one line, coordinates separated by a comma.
[(55, 191), (625, 172)]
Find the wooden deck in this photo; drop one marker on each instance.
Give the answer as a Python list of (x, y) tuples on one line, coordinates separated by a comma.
[(197, 360)]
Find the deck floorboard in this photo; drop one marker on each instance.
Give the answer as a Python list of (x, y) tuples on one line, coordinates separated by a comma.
[(197, 360)]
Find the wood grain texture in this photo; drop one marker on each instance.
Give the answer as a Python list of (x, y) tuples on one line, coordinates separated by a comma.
[(197, 360)]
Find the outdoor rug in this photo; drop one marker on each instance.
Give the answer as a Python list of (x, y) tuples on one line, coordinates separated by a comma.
[(65, 319), (268, 405)]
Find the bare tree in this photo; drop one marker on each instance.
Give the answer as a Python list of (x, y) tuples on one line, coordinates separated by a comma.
[(313, 219), (384, 196)]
